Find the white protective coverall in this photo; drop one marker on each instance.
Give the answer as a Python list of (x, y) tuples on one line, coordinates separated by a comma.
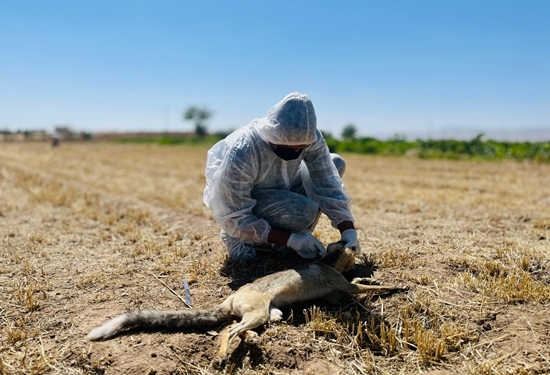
[(250, 189)]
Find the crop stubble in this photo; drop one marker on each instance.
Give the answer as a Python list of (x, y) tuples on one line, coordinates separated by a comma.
[(83, 227)]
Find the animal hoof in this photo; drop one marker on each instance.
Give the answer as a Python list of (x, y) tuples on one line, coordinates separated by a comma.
[(251, 338), (219, 363)]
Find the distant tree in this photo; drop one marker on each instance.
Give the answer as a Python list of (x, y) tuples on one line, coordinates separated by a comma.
[(399, 138), (198, 116), (349, 131), (86, 136)]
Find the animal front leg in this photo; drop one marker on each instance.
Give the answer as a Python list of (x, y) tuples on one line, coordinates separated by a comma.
[(365, 281), (337, 282), (353, 288)]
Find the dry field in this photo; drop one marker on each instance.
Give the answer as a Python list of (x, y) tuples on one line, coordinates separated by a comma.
[(88, 231)]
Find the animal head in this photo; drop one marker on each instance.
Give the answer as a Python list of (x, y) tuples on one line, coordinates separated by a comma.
[(338, 257)]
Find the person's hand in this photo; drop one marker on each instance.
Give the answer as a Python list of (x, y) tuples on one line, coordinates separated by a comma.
[(349, 236), (306, 245)]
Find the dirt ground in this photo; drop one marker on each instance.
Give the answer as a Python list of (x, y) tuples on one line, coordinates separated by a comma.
[(88, 231)]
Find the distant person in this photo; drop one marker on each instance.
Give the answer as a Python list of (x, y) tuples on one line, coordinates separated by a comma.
[(269, 181), (54, 141)]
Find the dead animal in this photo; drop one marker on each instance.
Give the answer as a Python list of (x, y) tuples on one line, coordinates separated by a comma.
[(256, 303)]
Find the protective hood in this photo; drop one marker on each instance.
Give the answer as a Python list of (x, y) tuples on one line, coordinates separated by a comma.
[(290, 122)]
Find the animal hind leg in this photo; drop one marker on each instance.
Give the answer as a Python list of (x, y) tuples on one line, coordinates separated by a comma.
[(249, 321), (251, 338)]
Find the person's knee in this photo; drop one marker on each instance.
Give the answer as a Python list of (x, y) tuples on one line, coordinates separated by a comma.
[(298, 216), (315, 219), (311, 215), (285, 210), (340, 163)]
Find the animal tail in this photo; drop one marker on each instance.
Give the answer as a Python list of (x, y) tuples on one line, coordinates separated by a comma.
[(156, 320)]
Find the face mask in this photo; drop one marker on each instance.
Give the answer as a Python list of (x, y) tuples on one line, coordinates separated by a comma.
[(286, 153)]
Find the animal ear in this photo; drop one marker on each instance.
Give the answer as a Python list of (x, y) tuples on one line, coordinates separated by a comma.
[(346, 261), (334, 252), (336, 246)]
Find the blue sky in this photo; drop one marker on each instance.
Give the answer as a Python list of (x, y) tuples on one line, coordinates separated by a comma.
[(420, 68)]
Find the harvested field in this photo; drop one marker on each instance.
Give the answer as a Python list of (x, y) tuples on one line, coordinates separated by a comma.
[(88, 231)]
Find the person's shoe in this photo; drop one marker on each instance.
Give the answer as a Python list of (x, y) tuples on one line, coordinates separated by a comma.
[(238, 250)]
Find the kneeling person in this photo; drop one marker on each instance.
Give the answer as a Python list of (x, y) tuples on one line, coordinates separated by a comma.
[(269, 181)]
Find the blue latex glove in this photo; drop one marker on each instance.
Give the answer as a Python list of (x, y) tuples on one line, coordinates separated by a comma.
[(306, 245), (349, 236)]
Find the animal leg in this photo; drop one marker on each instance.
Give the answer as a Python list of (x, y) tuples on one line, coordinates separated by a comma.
[(249, 322), (251, 338), (365, 281), (339, 283), (254, 309), (353, 288), (224, 347)]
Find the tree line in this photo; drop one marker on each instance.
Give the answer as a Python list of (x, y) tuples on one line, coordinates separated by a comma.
[(475, 148)]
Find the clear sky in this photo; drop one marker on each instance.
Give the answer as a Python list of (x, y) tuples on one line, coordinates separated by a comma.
[(420, 68)]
